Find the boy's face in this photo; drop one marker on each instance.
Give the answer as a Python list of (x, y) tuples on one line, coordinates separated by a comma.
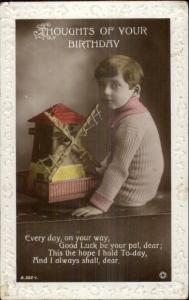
[(114, 91)]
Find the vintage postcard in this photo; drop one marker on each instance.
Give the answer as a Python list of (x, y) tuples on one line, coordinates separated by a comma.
[(94, 150)]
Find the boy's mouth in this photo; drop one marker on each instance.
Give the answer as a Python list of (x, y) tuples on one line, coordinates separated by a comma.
[(107, 100)]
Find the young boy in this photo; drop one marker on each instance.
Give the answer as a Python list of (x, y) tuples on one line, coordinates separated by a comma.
[(133, 170)]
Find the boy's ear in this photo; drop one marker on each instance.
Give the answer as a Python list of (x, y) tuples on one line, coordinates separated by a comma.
[(137, 90)]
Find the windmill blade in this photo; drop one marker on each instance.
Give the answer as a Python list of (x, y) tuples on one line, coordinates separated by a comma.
[(56, 160), (75, 145), (58, 124), (84, 155), (58, 157), (91, 121)]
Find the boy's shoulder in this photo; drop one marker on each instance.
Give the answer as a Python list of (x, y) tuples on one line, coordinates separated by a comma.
[(138, 124), (138, 121)]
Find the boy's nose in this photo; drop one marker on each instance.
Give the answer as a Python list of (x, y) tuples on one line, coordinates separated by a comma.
[(107, 90)]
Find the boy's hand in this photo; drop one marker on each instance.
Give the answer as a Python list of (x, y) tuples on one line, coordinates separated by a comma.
[(87, 211)]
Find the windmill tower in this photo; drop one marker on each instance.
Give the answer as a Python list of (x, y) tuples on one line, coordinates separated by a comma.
[(58, 156)]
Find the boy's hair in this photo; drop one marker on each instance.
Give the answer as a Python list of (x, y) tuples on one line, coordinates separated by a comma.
[(127, 66)]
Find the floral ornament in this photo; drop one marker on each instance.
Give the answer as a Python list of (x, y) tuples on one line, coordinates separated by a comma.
[(43, 32)]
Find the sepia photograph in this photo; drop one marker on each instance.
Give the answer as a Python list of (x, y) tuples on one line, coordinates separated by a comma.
[(93, 150)]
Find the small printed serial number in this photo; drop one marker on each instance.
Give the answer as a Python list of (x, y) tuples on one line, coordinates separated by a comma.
[(29, 277)]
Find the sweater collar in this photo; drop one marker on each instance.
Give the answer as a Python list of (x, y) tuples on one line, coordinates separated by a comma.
[(133, 106)]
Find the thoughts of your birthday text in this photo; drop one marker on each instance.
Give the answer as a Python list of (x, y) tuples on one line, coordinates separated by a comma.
[(89, 37)]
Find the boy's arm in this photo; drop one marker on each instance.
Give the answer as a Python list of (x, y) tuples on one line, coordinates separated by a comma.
[(103, 164), (127, 141)]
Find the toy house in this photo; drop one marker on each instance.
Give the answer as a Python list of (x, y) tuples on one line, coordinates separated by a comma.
[(60, 165)]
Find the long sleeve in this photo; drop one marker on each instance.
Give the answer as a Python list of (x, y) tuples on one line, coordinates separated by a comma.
[(126, 143), (105, 160)]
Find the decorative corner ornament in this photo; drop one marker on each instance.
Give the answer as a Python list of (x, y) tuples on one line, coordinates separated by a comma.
[(44, 31)]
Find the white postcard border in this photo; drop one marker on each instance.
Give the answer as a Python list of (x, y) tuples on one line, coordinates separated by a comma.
[(177, 12)]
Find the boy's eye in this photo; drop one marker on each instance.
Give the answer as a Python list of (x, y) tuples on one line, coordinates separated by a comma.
[(111, 84), (115, 85)]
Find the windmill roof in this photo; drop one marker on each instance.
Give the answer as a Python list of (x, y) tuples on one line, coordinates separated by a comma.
[(62, 112)]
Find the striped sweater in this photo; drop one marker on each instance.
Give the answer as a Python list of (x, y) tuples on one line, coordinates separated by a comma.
[(134, 172)]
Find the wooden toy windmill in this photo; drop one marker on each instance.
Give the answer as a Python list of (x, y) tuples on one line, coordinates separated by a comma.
[(60, 163)]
